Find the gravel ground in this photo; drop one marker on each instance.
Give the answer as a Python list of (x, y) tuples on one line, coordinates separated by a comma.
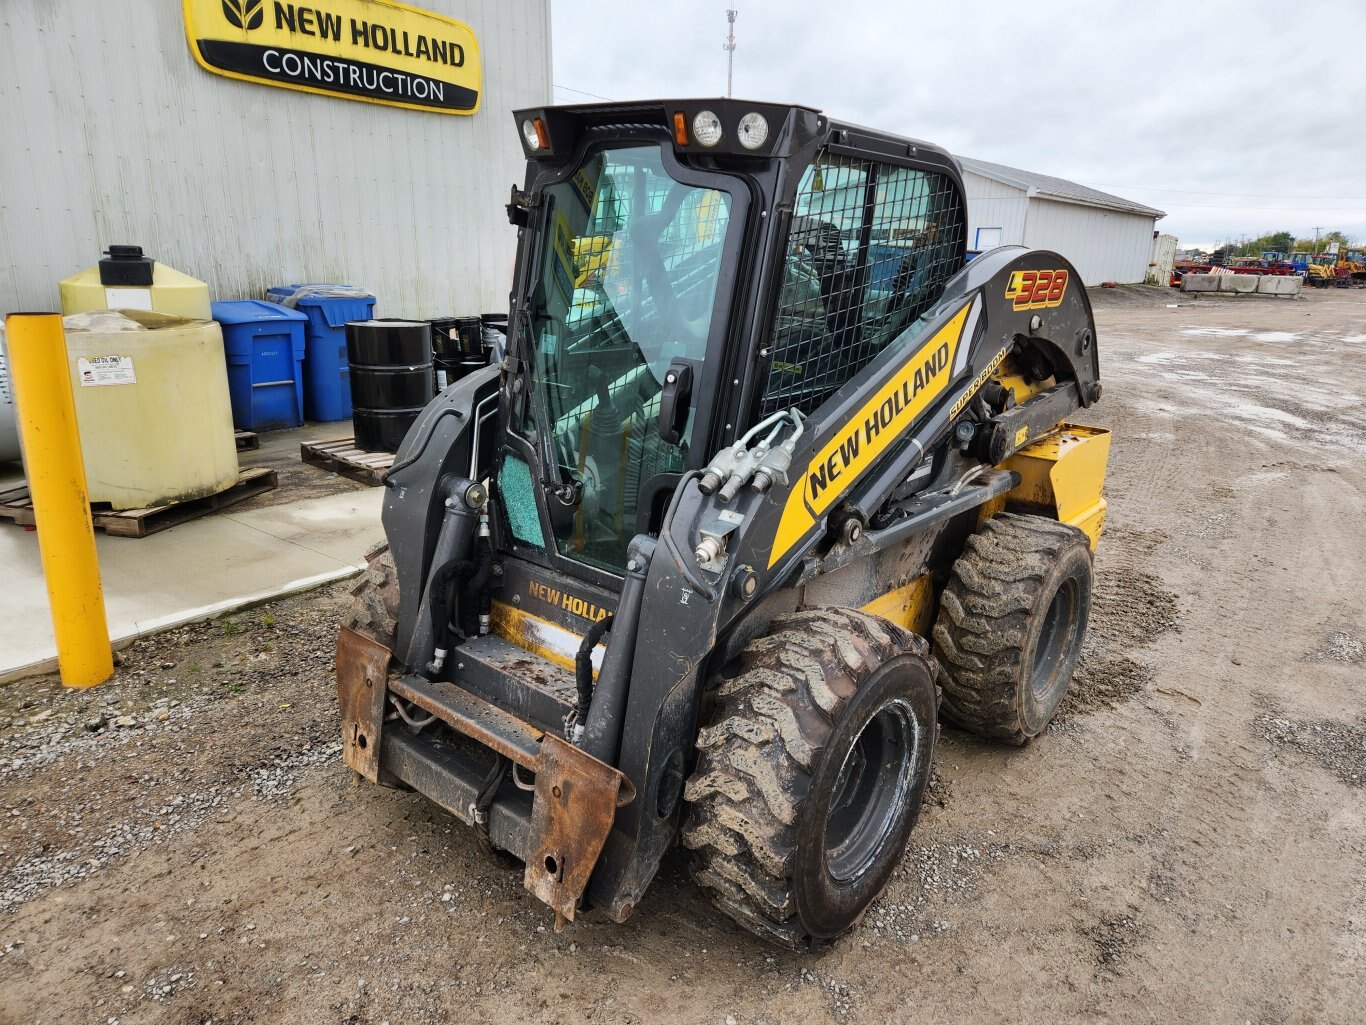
[(182, 844)]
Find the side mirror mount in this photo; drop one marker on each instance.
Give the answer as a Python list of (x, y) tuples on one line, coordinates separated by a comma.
[(675, 401), (519, 207)]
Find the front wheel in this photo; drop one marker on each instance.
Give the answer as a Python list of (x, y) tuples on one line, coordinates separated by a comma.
[(1011, 624), (810, 779)]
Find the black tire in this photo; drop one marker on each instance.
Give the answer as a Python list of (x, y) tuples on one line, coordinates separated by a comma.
[(1011, 623), (794, 833), (374, 598)]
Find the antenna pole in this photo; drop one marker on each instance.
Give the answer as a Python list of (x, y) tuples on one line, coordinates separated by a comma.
[(729, 47)]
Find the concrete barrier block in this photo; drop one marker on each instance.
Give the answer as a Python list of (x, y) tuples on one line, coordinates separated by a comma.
[(1242, 284), (1200, 283), (1270, 285)]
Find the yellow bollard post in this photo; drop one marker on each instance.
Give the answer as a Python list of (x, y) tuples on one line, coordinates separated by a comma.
[(46, 411)]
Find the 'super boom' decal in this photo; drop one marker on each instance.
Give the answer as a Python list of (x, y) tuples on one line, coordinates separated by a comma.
[(869, 432), (1036, 289)]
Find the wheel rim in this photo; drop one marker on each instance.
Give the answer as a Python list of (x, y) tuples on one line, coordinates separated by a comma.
[(1052, 648), (869, 796)]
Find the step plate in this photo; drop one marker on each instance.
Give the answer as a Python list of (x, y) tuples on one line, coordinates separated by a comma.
[(517, 679)]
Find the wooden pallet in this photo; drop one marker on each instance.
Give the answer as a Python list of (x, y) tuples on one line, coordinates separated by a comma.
[(340, 455), (247, 440), (16, 505)]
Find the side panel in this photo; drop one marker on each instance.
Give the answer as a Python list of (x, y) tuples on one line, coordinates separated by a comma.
[(1064, 473)]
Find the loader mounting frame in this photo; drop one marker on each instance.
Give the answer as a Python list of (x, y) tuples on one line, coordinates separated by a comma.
[(575, 797)]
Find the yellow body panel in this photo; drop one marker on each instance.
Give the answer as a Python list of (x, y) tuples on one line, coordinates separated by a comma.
[(1066, 472), (911, 606), (552, 642), (881, 421)]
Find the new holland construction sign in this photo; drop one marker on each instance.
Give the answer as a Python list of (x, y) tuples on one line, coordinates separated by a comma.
[(371, 50)]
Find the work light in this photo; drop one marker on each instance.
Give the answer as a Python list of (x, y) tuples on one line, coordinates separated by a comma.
[(753, 130), (706, 128)]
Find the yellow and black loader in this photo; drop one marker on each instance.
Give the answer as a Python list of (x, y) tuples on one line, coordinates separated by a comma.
[(770, 478)]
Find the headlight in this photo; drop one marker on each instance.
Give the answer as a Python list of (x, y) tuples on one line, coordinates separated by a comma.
[(753, 130), (706, 128), (532, 133)]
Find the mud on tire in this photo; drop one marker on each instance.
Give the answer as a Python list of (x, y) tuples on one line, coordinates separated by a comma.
[(1011, 623), (374, 598), (771, 795)]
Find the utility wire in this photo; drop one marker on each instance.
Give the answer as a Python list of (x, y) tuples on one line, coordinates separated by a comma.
[(581, 92)]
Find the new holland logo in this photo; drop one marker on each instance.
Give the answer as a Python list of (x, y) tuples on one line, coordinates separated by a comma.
[(244, 14), (379, 51), (865, 436)]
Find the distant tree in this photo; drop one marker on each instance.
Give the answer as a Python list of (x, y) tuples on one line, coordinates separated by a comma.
[(1309, 245), (1281, 241)]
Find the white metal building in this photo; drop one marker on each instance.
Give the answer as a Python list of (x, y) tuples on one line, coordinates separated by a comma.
[(114, 134), (1106, 237)]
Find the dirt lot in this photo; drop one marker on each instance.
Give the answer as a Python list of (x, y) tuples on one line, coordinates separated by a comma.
[(1186, 844)]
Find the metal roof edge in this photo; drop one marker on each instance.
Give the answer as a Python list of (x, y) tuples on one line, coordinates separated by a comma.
[(1095, 198), (1123, 206)]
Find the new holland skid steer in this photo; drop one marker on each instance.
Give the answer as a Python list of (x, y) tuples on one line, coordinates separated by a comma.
[(770, 470)]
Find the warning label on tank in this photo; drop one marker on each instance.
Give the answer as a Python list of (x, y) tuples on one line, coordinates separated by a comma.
[(99, 370)]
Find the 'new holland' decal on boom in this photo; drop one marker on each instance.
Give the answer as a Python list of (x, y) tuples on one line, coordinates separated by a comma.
[(867, 434)]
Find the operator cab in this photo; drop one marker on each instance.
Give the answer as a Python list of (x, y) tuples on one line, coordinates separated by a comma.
[(645, 335)]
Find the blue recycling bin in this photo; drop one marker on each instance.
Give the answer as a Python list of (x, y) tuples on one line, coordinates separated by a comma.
[(264, 346), (327, 380)]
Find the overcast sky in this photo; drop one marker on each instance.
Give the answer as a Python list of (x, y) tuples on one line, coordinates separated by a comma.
[(1234, 117)]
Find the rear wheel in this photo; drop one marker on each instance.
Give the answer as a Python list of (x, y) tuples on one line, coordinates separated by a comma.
[(810, 779), (1011, 623), (374, 598)]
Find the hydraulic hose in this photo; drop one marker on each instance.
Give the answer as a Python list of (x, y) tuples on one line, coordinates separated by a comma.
[(484, 801), (474, 587), (583, 667), (439, 600)]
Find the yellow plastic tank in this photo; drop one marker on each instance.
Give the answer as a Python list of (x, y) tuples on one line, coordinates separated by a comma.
[(153, 408), (127, 280)]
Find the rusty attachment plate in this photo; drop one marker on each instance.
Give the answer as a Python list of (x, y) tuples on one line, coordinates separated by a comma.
[(362, 665), (576, 795), (576, 799)]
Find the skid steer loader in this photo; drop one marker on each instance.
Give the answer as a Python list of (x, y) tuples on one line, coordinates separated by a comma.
[(769, 471)]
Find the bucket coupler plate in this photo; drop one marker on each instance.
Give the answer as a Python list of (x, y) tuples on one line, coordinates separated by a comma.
[(362, 669), (576, 795)]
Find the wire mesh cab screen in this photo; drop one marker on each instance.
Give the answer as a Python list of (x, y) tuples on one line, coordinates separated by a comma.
[(870, 249)]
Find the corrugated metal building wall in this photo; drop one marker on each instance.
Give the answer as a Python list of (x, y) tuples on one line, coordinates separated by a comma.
[(112, 133), (1104, 245), (993, 205), (1106, 238)]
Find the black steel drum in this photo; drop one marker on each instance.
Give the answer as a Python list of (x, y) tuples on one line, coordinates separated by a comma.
[(391, 379)]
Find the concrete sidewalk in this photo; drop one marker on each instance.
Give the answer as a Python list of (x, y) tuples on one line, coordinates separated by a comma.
[(195, 570)]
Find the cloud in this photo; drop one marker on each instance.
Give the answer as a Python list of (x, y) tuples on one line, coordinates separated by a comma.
[(1234, 117)]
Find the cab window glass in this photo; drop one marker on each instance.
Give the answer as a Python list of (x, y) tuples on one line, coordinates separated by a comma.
[(870, 248)]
